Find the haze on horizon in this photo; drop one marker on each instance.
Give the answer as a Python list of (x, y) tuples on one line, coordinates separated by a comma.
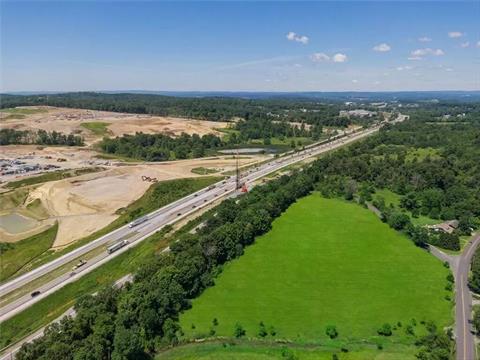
[(240, 46)]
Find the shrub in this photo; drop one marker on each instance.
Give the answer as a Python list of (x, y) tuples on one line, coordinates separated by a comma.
[(331, 331), (385, 330), (239, 331)]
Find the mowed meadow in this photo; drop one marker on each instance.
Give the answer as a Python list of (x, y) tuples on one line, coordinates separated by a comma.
[(325, 262)]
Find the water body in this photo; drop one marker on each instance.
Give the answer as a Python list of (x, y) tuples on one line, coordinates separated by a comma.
[(247, 151), (15, 223)]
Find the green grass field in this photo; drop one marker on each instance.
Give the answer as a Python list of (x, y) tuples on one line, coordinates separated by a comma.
[(18, 254), (97, 127), (228, 351), (325, 262)]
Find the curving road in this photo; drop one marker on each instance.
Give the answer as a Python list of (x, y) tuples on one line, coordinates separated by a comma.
[(463, 303)]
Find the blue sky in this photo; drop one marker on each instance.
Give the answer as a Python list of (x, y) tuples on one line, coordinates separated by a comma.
[(240, 46)]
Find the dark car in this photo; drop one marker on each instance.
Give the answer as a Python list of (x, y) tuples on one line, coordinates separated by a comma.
[(35, 293)]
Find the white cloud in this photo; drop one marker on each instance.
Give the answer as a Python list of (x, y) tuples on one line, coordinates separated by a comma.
[(424, 39), (383, 47), (320, 57), (354, 81), (455, 34), (466, 44), (298, 38), (448, 69), (339, 58), (420, 53), (406, 67)]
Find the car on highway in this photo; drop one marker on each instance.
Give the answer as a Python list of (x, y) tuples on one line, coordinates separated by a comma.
[(35, 293), (79, 264)]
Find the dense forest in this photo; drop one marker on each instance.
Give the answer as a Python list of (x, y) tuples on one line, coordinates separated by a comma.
[(159, 147), (306, 110), (138, 320), (40, 137)]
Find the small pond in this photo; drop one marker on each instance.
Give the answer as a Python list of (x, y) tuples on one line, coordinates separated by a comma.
[(15, 223)]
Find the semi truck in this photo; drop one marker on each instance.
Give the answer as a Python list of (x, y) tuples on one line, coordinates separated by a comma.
[(138, 221), (116, 246)]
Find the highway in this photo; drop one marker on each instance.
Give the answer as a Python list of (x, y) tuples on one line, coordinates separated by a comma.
[(156, 220), (463, 304)]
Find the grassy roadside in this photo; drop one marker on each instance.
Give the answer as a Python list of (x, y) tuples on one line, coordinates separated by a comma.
[(157, 196), (52, 176), (13, 256)]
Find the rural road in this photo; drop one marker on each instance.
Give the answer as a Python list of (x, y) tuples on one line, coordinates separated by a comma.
[(463, 303), (156, 220)]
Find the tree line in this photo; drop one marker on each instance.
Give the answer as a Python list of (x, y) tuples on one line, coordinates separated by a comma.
[(160, 147), (39, 137)]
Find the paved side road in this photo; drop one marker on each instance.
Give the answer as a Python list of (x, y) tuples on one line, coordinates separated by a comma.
[(463, 304)]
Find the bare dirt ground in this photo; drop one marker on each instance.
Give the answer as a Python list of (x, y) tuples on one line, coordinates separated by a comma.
[(87, 203), (69, 121)]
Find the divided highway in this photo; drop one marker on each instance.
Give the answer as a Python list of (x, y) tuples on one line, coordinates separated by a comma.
[(155, 221)]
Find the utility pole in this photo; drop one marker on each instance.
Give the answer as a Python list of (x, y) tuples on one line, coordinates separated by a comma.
[(237, 172)]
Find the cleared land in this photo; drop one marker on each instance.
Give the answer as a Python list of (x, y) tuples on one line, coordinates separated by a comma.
[(92, 125), (325, 262)]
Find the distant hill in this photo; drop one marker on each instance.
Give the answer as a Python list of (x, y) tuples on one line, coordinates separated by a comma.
[(403, 96)]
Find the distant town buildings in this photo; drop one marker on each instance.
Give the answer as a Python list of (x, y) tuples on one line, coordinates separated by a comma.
[(358, 113)]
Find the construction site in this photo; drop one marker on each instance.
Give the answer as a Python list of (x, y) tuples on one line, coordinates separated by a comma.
[(94, 197)]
